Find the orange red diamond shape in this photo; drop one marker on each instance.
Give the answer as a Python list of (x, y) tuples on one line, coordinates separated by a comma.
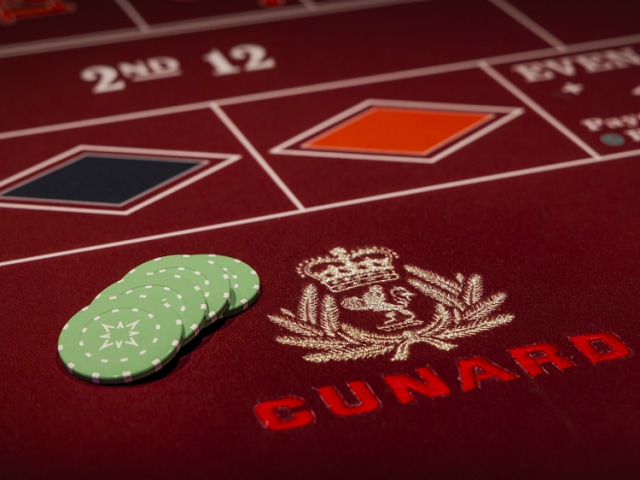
[(393, 130)]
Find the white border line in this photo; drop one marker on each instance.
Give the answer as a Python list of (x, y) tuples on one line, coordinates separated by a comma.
[(399, 155), (322, 125), (516, 92), (309, 4), (516, 112), (35, 201), (285, 147), (385, 102), (205, 173), (329, 206), (92, 122), (188, 154), (321, 87), (228, 159), (529, 24), (85, 148), (192, 26), (374, 102), (376, 78), (133, 15), (42, 165), (256, 155), (371, 79), (353, 156)]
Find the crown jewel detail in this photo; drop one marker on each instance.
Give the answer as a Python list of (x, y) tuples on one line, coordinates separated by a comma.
[(346, 270)]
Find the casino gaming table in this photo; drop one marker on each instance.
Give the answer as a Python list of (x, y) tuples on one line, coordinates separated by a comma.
[(440, 199)]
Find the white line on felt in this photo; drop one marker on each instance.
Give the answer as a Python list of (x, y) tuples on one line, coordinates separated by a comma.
[(515, 91), (180, 186), (256, 155), (464, 107), (330, 206), (529, 24), (40, 166), (320, 87), (91, 122), (309, 4), (191, 26), (67, 154), (229, 160), (477, 134), (133, 15), (252, 97), (153, 151), (325, 124), (60, 208), (374, 102), (370, 157)]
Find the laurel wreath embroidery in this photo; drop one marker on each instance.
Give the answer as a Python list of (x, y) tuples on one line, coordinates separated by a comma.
[(461, 310)]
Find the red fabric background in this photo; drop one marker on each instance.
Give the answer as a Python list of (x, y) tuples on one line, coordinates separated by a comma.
[(562, 244)]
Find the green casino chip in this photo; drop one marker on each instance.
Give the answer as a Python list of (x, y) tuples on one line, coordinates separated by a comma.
[(119, 345), (142, 302), (212, 279), (245, 282), (171, 288)]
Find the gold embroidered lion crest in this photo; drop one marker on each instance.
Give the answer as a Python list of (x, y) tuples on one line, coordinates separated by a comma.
[(461, 308)]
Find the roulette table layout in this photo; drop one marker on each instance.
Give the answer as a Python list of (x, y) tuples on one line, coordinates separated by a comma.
[(405, 235)]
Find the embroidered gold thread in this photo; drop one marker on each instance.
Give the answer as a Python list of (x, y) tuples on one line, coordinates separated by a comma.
[(461, 311), (346, 270), (375, 299)]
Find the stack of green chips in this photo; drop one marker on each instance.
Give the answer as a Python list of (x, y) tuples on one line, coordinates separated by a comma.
[(136, 326)]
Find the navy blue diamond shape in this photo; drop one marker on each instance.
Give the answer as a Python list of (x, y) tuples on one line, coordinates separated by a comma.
[(101, 179)]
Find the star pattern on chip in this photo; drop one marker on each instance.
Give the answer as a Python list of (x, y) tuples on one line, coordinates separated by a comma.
[(128, 336)]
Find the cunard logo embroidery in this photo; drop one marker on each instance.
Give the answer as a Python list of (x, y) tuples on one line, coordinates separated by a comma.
[(369, 310)]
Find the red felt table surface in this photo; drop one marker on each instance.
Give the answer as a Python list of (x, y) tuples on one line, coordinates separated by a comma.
[(539, 199)]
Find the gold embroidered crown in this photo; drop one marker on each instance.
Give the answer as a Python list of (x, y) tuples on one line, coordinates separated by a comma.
[(345, 270)]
